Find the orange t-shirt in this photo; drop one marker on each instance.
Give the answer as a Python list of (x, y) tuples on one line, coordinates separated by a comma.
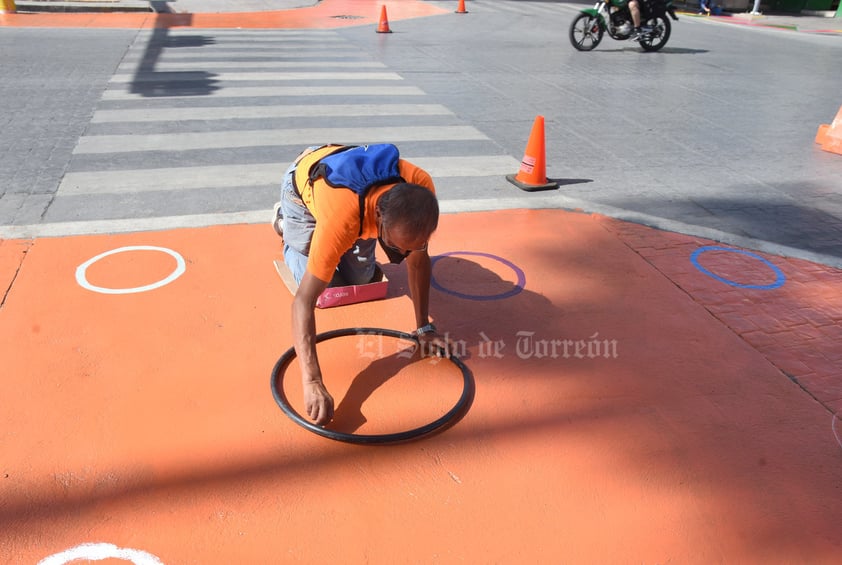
[(337, 214)]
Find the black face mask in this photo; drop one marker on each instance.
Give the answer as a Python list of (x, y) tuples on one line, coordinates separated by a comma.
[(393, 254)]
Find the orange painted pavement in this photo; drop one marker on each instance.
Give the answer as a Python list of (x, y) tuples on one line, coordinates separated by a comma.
[(324, 14), (660, 434)]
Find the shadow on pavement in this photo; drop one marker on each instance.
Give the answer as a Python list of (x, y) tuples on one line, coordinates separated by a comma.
[(148, 82)]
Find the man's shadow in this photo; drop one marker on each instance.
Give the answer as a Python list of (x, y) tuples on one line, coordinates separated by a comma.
[(470, 302), (348, 415), (473, 305)]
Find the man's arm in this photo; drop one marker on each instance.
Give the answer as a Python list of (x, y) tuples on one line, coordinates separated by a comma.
[(317, 400), (419, 274), (419, 271)]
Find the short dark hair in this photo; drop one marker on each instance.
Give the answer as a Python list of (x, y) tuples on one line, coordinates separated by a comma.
[(410, 205)]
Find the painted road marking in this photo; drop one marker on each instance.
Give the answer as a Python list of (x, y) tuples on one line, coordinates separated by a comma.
[(269, 138), (181, 138), (128, 66), (205, 56), (155, 76), (521, 277), (229, 176), (99, 552), (276, 91), (267, 112), (780, 278), (221, 39), (82, 279)]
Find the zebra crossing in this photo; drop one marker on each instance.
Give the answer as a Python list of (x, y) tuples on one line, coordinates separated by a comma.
[(197, 126)]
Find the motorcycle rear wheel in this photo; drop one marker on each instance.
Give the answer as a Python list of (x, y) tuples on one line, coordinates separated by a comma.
[(585, 32), (659, 35)]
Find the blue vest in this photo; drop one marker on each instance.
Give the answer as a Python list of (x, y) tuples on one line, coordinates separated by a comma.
[(359, 168)]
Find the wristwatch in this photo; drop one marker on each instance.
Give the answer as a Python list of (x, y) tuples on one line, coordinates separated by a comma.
[(426, 329)]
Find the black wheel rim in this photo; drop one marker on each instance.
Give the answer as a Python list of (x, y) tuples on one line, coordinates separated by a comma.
[(448, 419), (585, 32)]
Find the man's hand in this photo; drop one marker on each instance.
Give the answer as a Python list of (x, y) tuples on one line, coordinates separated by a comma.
[(434, 342), (318, 402)]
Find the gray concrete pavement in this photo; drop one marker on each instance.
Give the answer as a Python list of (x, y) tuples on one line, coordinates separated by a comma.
[(51, 81), (712, 136)]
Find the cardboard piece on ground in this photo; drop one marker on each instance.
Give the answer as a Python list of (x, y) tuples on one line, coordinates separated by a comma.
[(337, 295)]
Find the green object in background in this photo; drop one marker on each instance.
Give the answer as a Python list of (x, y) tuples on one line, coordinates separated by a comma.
[(819, 5), (790, 6)]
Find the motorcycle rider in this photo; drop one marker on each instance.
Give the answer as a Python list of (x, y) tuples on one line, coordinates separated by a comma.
[(634, 9)]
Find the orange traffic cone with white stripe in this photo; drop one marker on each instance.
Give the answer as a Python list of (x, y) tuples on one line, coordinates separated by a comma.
[(829, 136), (460, 9), (532, 174), (383, 26)]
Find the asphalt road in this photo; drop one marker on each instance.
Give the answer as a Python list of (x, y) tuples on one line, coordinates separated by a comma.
[(119, 130)]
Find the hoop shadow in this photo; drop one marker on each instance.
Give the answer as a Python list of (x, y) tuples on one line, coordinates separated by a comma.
[(348, 416)]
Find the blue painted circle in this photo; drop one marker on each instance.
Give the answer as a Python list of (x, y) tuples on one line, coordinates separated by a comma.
[(780, 278), (521, 277)]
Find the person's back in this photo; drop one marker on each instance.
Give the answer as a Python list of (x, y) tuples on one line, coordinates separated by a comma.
[(333, 219)]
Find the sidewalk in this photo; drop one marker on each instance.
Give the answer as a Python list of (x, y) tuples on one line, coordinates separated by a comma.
[(793, 22)]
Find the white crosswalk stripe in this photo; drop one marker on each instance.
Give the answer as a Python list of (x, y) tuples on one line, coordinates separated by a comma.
[(170, 91), (153, 76), (258, 138), (268, 112), (269, 53), (133, 66), (289, 52), (197, 125), (147, 180), (526, 8)]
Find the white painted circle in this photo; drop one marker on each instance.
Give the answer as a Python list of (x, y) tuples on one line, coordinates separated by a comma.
[(100, 551), (82, 279)]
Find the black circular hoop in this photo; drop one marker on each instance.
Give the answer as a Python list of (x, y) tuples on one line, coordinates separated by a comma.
[(450, 418)]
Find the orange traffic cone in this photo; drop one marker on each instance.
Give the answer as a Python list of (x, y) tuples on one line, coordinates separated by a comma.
[(829, 136), (533, 168), (461, 8), (383, 26)]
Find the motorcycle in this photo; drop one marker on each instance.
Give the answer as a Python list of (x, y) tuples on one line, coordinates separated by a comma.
[(613, 17)]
